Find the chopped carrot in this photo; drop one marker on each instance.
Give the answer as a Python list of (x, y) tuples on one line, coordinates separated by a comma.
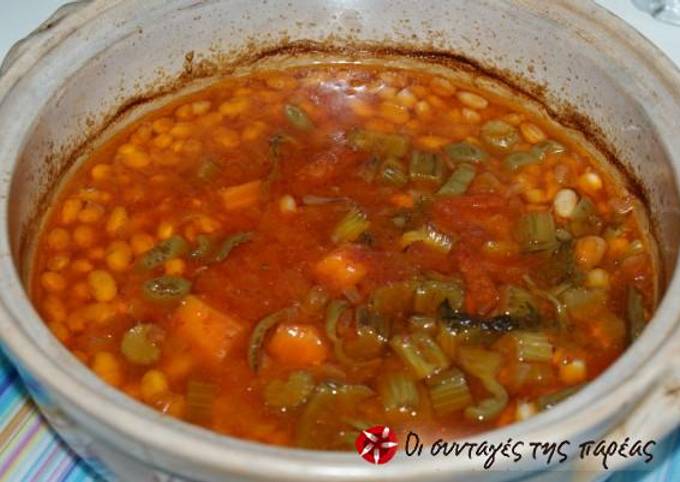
[(297, 345), (209, 332), (402, 200), (339, 271), (241, 196)]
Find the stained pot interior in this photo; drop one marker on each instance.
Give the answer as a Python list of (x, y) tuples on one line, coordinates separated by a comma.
[(147, 52)]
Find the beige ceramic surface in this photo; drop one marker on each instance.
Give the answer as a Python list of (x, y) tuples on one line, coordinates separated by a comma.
[(93, 57)]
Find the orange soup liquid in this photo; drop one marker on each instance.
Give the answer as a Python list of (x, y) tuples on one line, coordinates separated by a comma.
[(292, 256)]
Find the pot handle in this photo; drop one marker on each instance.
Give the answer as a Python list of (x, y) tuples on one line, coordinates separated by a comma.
[(653, 418), (21, 46)]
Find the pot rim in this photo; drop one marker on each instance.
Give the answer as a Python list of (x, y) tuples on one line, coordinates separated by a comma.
[(134, 421)]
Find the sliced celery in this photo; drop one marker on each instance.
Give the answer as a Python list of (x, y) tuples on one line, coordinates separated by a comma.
[(334, 311), (307, 430), (230, 243), (532, 374), (372, 332), (168, 249), (424, 324), (321, 423), (393, 299), (488, 183), (583, 300), (465, 152), (558, 266), (352, 294), (207, 170), (166, 289), (200, 400), (204, 246), (563, 235), (378, 143), (426, 167), (260, 331), (560, 308), (484, 365), (635, 312), (430, 294), (429, 236), (398, 391), (141, 344), (547, 147), (448, 338), (209, 250), (298, 117), (350, 227), (369, 169), (532, 346), (358, 424), (449, 392), (400, 221), (290, 393), (420, 353), (459, 181), (392, 173), (518, 160), (519, 303), (536, 232), (584, 219), (310, 200), (584, 208), (552, 399), (499, 135), (370, 320)]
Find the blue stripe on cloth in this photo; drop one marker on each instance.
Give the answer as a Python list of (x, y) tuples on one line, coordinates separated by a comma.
[(45, 458), (32, 452)]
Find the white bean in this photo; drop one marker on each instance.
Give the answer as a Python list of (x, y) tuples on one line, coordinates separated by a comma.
[(525, 410), (565, 202), (473, 101)]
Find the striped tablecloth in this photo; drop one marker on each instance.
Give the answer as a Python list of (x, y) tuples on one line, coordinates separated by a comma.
[(30, 451)]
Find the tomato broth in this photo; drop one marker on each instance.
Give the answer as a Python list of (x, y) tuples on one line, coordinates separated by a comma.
[(293, 255)]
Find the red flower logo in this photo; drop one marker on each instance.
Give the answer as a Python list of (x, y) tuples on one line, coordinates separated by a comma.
[(377, 445)]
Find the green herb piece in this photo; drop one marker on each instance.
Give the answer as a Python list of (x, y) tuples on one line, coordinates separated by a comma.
[(298, 117)]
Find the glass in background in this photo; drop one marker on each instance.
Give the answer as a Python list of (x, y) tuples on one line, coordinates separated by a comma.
[(665, 10)]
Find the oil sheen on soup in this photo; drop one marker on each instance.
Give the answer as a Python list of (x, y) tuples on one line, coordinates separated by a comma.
[(293, 255)]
